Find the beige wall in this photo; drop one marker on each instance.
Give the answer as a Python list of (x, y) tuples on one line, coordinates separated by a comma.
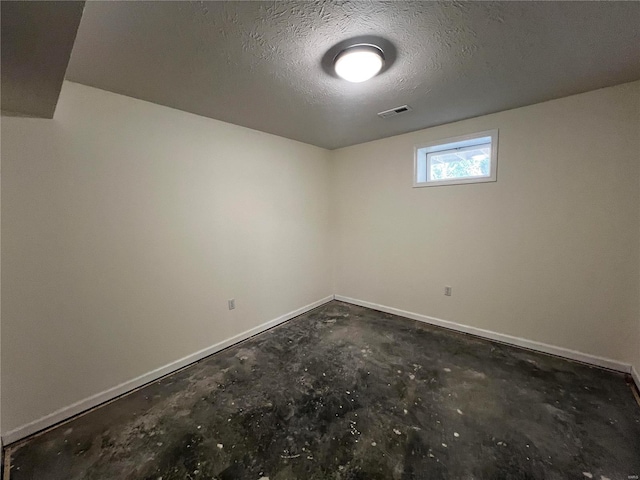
[(126, 226), (637, 135), (549, 252)]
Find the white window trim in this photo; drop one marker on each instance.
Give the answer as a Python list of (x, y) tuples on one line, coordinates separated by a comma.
[(459, 181)]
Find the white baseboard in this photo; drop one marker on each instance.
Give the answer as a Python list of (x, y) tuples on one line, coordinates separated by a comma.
[(636, 377), (500, 337), (130, 385)]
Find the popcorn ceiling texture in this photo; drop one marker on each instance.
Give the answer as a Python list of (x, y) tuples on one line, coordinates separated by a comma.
[(258, 64)]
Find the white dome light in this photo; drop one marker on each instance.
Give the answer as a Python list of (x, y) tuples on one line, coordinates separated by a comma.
[(359, 63)]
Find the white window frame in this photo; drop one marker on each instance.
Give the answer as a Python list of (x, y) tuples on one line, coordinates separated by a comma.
[(446, 144)]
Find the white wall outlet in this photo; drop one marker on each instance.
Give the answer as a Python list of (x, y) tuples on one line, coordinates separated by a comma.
[(447, 291), (232, 304)]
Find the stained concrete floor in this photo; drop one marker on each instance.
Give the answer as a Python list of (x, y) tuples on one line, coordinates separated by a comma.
[(344, 392)]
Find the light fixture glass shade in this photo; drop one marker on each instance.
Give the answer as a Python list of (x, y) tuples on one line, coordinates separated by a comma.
[(359, 63)]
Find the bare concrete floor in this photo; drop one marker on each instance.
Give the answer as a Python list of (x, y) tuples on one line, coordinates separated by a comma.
[(345, 392)]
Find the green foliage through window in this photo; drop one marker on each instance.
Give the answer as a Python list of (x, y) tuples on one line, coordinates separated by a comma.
[(459, 166), (465, 159)]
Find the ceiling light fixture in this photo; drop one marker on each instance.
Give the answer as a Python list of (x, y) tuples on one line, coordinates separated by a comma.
[(359, 63)]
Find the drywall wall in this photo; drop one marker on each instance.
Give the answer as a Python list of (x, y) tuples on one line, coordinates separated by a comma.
[(548, 253), (126, 226), (636, 364), (1, 441)]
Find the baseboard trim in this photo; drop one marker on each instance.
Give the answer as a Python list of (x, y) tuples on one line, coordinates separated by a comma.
[(636, 377), (88, 403), (499, 337)]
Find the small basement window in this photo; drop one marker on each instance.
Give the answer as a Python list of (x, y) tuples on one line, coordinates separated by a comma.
[(466, 159)]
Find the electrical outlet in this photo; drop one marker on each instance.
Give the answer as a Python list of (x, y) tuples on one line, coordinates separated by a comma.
[(232, 304), (447, 291)]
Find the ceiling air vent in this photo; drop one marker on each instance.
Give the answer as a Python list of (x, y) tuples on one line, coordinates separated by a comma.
[(395, 111)]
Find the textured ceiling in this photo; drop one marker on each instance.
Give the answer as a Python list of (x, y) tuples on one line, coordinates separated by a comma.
[(264, 64), (37, 38)]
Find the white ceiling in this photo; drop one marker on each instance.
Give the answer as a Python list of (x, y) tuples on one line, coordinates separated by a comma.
[(264, 64)]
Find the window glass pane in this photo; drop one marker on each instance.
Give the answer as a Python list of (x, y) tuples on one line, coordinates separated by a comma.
[(469, 162), (465, 159), (421, 169)]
